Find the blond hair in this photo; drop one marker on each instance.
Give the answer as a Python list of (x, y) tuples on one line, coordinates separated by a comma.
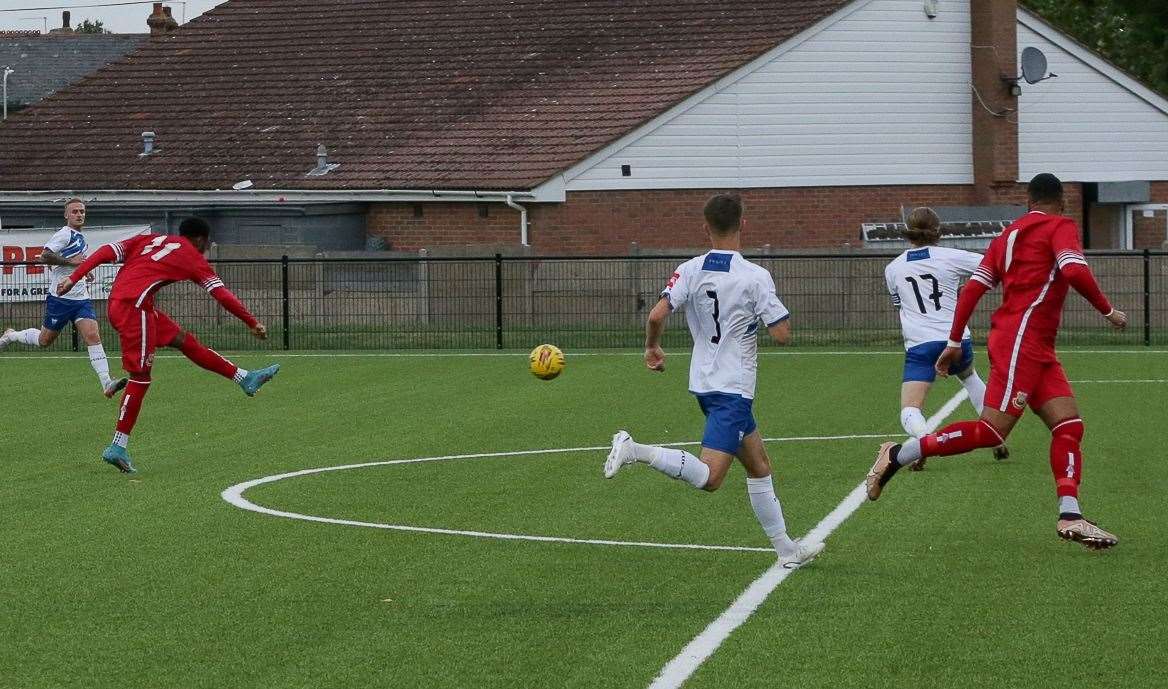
[(74, 200), (923, 226)]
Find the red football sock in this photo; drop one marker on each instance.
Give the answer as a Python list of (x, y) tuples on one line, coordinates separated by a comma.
[(207, 358), (1066, 457), (131, 404), (960, 437)]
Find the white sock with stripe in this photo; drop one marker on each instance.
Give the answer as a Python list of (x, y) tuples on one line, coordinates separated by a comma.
[(913, 422), (240, 374), (121, 439), (30, 337), (100, 364), (678, 464), (769, 513), (975, 386)]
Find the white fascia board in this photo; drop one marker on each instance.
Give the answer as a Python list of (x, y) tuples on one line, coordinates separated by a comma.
[(253, 197), (1042, 28), (696, 98)]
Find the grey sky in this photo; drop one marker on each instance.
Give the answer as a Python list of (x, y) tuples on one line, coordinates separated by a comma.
[(127, 19)]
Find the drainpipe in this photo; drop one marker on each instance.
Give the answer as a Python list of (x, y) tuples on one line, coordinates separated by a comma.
[(522, 220), (7, 71)]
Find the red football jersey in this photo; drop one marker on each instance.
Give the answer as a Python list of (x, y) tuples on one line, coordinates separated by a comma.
[(152, 261), (1027, 260)]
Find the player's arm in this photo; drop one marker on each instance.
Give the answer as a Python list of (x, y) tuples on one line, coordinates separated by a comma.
[(781, 331), (1073, 266), (203, 275), (984, 278), (105, 254), (52, 252), (654, 328), (772, 311), (890, 283)]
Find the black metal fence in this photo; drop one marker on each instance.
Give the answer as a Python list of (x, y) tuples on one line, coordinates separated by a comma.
[(577, 302)]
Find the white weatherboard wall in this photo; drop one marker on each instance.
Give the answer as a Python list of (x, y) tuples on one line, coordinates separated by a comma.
[(877, 95), (1092, 123)]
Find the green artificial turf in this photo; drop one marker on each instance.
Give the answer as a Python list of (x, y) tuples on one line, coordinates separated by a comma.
[(954, 578)]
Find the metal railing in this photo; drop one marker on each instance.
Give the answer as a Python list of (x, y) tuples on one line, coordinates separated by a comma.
[(577, 302)]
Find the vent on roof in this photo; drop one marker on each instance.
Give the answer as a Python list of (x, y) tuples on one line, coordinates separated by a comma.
[(626, 170), (147, 144), (323, 166)]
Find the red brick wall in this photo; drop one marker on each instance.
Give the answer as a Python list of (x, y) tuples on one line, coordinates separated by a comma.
[(609, 222), (1150, 233), (443, 225)]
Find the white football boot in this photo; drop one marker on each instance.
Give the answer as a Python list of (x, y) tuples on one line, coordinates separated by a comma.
[(804, 553), (620, 455)]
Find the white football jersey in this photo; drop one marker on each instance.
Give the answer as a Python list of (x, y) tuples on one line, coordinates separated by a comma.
[(923, 283), (67, 243), (725, 297)]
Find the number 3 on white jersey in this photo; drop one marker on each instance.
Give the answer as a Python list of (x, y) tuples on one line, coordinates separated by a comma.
[(165, 249)]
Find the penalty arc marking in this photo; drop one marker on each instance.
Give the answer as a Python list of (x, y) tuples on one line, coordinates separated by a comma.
[(235, 496)]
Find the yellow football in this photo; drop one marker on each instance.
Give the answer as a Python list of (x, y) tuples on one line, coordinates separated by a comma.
[(547, 361)]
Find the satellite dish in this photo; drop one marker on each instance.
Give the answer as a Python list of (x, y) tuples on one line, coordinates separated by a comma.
[(1034, 65)]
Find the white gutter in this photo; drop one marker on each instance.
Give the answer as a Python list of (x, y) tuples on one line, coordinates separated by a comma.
[(522, 220), (7, 71), (262, 196)]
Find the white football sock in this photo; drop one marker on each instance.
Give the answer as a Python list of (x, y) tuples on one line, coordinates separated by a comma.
[(121, 439), (30, 337), (1067, 504), (976, 389), (913, 422), (240, 374), (676, 463), (910, 452), (100, 364), (769, 513)]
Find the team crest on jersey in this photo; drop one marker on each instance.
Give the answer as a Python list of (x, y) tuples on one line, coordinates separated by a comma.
[(1020, 400)]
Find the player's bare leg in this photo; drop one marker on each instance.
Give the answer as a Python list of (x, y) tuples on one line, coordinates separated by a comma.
[(1061, 416), (976, 388), (912, 419), (767, 509), (956, 438), (90, 334)]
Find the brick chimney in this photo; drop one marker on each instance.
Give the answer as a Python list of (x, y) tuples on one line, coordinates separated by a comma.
[(65, 27), (994, 50), (171, 22), (157, 22)]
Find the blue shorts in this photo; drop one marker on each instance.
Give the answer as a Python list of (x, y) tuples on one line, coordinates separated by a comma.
[(60, 312), (920, 362), (729, 419)]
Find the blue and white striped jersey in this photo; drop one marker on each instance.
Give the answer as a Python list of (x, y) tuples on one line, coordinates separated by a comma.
[(67, 243)]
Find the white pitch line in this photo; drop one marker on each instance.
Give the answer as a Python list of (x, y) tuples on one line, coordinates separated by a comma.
[(234, 496), (696, 652)]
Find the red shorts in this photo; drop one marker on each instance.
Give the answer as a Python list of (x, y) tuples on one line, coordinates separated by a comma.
[(140, 331), (1018, 380)]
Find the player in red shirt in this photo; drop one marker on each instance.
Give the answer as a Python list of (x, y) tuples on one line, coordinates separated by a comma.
[(152, 262), (1036, 260)]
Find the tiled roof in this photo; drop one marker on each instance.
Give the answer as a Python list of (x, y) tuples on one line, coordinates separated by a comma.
[(45, 63), (418, 94)]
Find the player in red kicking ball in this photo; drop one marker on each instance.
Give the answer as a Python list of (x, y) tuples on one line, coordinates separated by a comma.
[(1036, 260), (152, 262)]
